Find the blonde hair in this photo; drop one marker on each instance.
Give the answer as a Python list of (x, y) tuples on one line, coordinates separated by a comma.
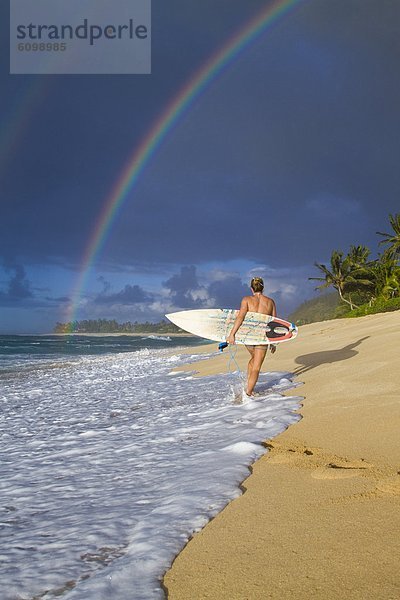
[(257, 284)]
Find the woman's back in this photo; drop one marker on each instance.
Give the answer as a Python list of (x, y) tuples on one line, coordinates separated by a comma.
[(261, 304)]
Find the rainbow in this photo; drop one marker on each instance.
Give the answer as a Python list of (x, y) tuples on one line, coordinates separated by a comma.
[(162, 126)]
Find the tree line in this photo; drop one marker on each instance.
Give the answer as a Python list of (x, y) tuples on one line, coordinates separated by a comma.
[(112, 326), (365, 285)]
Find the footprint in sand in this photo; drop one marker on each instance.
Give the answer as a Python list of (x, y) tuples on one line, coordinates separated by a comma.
[(390, 485), (282, 456), (322, 466), (328, 473), (340, 470)]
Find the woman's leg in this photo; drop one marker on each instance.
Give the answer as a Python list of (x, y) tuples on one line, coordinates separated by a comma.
[(250, 365), (255, 367)]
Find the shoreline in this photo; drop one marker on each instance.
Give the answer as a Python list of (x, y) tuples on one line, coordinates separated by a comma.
[(171, 438), (86, 334), (320, 511)]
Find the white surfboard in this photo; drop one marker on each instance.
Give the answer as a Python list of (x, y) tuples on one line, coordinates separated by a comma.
[(216, 324)]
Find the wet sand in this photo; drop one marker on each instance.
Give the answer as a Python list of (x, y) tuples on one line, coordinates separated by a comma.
[(320, 516)]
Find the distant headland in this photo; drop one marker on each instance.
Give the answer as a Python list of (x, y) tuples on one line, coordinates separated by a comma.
[(112, 326)]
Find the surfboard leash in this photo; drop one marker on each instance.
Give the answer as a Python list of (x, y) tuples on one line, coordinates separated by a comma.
[(232, 358)]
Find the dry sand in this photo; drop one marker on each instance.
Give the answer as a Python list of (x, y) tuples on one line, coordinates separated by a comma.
[(320, 517)]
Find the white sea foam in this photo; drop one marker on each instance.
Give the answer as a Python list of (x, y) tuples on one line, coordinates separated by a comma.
[(162, 338), (110, 464)]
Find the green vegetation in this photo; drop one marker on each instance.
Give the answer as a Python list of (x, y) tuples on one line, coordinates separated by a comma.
[(317, 309), (363, 286), (392, 239), (379, 306), (112, 326)]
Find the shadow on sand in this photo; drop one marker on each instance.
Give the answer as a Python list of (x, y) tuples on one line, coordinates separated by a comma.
[(307, 362)]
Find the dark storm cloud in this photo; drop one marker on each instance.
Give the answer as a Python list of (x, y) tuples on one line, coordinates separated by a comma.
[(17, 288), (228, 292), (79, 132), (290, 156), (184, 288), (186, 292), (191, 289), (308, 112), (130, 294), (330, 207)]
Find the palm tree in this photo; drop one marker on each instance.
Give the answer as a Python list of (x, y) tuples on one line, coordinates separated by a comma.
[(393, 238), (362, 278), (358, 255), (387, 277), (339, 275)]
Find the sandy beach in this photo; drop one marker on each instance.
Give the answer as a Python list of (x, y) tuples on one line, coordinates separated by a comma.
[(320, 516)]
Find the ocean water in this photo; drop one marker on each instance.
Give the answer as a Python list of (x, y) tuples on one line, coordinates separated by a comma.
[(109, 461)]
